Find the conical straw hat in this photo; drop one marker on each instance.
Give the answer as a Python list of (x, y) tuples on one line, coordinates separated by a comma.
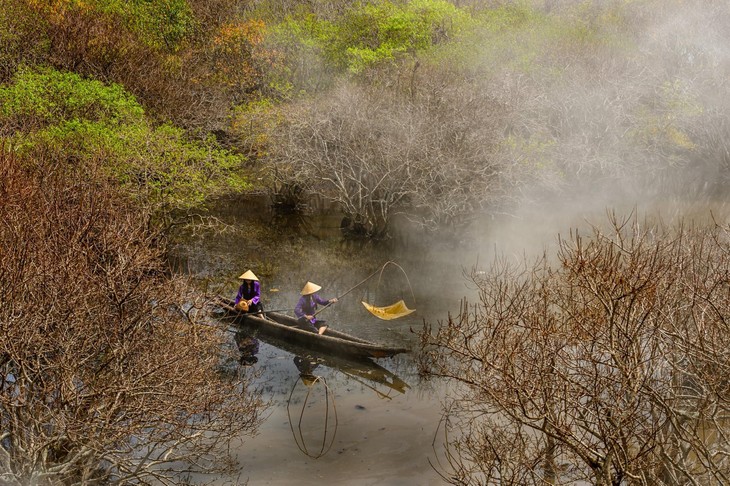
[(308, 380), (249, 275), (310, 288)]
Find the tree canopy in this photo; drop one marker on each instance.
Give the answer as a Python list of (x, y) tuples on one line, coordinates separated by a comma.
[(72, 120), (436, 112)]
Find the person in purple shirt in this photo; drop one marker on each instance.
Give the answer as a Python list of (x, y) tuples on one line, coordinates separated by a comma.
[(307, 307), (248, 298)]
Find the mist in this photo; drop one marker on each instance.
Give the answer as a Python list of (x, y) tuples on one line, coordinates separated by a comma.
[(634, 122), (617, 109), (504, 137)]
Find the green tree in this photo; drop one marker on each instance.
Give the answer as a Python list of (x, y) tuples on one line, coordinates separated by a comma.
[(380, 32), (164, 52), (362, 37), (73, 120)]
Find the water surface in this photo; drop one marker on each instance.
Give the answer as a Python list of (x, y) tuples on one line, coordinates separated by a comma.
[(380, 435), (345, 428)]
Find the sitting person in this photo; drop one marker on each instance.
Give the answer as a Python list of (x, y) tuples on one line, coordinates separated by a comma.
[(306, 369), (307, 308), (249, 294), (248, 346)]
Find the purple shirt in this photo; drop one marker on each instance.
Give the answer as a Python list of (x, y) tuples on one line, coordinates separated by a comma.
[(252, 293), (307, 305)]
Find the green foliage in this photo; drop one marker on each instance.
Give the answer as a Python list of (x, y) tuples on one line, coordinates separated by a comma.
[(369, 34), (506, 18), (141, 44), (48, 97), (69, 118), (161, 24), (385, 31), (501, 38), (521, 38), (301, 40), (253, 123), (165, 23)]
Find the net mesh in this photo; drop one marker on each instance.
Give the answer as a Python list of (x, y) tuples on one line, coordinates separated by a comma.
[(399, 309)]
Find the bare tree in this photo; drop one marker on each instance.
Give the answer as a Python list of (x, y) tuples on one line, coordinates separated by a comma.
[(607, 365), (108, 375), (378, 153)]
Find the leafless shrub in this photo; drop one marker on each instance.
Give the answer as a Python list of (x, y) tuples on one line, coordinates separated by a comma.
[(608, 366), (107, 375), (377, 153)]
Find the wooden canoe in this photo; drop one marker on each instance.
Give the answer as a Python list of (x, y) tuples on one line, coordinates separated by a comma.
[(284, 327)]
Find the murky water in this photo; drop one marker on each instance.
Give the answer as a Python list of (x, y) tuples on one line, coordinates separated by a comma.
[(341, 429), (348, 428), (353, 425)]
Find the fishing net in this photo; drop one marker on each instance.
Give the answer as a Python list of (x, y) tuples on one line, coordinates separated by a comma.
[(399, 309)]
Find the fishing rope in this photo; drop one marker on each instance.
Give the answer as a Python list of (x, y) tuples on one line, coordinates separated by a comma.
[(380, 270), (404, 274)]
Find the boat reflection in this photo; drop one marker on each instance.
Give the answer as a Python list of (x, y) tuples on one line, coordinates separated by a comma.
[(314, 433), (368, 373), (248, 346), (311, 406), (363, 370)]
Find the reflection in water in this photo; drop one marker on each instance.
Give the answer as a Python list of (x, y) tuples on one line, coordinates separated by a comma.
[(312, 383), (361, 370), (396, 385), (248, 346), (395, 432), (295, 222), (305, 366), (366, 372)]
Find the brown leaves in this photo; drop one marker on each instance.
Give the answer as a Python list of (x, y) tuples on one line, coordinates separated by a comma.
[(600, 363), (96, 350)]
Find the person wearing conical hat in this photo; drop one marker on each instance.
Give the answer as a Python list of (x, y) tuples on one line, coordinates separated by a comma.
[(248, 347), (307, 308), (248, 298), (306, 369)]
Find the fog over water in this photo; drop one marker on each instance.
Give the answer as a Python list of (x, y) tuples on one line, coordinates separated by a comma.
[(381, 435), (598, 168)]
